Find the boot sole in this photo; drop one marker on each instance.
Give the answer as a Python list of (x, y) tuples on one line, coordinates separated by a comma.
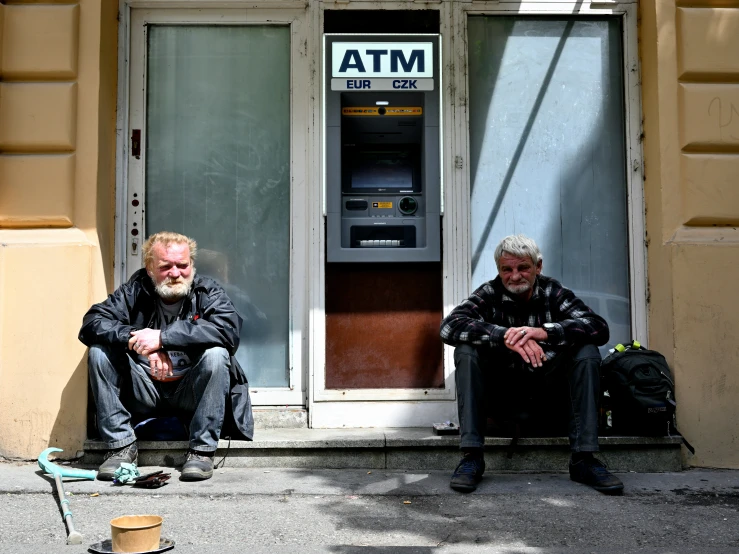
[(613, 489), (461, 487), (196, 475), (610, 489), (110, 475)]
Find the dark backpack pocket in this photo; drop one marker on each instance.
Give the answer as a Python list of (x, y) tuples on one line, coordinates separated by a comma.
[(641, 392)]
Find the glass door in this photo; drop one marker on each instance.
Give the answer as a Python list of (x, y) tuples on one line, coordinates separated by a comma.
[(211, 105), (548, 152)]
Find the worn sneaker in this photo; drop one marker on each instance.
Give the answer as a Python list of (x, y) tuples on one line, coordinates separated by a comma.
[(198, 466), (468, 473), (114, 458), (591, 471)]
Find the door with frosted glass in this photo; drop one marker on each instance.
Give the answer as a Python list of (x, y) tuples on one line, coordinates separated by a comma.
[(216, 167), (548, 155)]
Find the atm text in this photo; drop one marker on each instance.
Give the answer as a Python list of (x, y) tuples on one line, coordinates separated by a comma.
[(366, 84), (353, 60)]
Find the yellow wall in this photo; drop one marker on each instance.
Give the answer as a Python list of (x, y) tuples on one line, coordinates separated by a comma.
[(690, 86), (57, 138)]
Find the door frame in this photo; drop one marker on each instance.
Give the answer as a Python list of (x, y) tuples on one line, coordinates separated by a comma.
[(379, 407), (331, 408), (135, 16), (635, 207)]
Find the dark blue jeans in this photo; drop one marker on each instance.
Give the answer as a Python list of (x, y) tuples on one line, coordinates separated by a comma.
[(487, 385), (120, 385)]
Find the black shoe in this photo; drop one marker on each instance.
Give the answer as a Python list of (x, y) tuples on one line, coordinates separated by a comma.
[(114, 458), (591, 471), (198, 466), (468, 473)]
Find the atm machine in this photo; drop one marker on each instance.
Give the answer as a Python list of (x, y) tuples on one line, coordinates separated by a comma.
[(382, 163), (382, 155)]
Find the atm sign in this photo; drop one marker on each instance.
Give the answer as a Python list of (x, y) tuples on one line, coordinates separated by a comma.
[(382, 59)]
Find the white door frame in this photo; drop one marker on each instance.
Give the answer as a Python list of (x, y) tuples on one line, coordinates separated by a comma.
[(330, 408), (380, 407), (628, 11), (320, 392), (132, 115)]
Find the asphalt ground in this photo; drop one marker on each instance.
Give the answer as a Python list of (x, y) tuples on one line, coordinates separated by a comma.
[(347, 511)]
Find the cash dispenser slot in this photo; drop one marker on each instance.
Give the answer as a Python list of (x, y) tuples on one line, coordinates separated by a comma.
[(391, 236)]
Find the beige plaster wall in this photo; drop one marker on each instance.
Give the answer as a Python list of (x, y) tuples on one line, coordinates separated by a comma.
[(690, 86), (57, 136)]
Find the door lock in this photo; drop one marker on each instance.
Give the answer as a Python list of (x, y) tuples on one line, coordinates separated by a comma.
[(136, 143)]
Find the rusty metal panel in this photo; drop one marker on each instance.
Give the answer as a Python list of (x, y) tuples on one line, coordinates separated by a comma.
[(382, 326)]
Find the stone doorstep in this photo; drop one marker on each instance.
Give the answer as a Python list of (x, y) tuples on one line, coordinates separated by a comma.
[(405, 449), (279, 418)]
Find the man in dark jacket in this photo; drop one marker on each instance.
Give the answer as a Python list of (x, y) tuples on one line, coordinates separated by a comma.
[(517, 335), (166, 340)]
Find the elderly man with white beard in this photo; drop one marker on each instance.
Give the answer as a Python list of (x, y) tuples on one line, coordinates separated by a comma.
[(165, 341)]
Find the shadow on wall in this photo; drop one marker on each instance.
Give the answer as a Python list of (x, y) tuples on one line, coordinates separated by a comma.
[(589, 245), (70, 427)]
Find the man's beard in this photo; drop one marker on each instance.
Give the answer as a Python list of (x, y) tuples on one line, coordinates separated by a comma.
[(521, 288), (174, 289)]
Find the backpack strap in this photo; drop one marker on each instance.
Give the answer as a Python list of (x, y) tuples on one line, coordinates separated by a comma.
[(514, 441), (685, 442)]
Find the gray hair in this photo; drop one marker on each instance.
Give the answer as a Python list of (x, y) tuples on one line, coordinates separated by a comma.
[(520, 246), (165, 238)]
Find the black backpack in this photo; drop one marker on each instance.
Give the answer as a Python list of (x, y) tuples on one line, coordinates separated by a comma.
[(640, 392)]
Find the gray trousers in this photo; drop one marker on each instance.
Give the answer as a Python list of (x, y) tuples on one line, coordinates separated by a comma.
[(120, 385), (486, 385)]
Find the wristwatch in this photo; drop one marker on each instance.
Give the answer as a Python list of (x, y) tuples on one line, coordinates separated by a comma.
[(548, 327)]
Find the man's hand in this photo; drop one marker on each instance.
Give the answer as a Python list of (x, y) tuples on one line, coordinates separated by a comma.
[(145, 341), (523, 341), (521, 335), (160, 365)]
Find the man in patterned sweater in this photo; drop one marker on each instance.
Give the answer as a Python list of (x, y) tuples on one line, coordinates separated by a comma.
[(519, 337)]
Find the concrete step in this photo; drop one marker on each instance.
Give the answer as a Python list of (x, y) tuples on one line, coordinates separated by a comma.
[(407, 448), (280, 418)]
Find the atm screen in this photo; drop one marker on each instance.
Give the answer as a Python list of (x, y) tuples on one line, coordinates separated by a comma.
[(380, 168)]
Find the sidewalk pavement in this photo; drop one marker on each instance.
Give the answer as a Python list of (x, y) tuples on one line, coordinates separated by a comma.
[(347, 511)]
